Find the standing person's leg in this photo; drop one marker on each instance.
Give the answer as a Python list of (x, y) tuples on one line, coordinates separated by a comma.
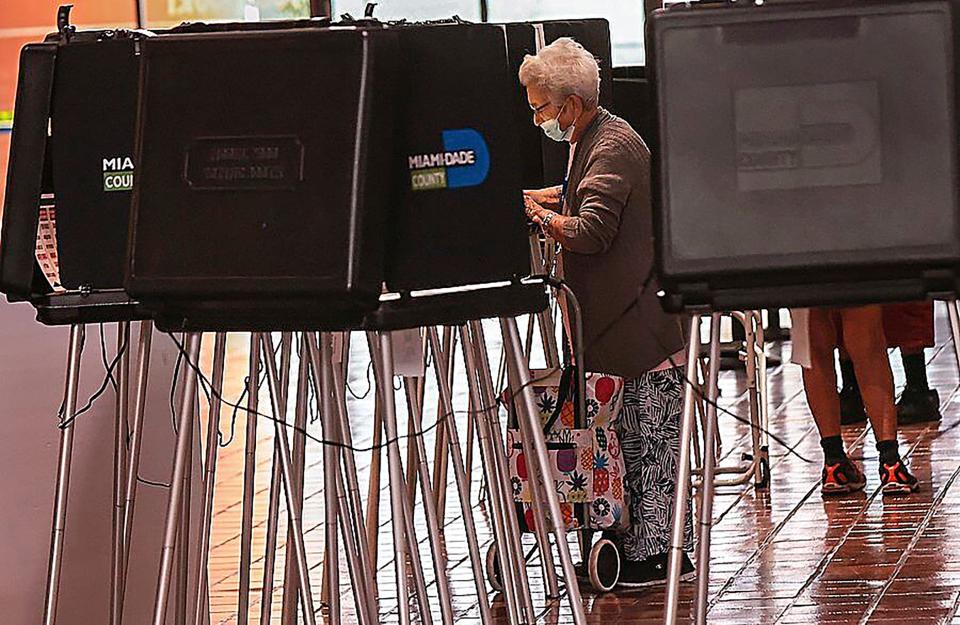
[(909, 326), (851, 402), (820, 384), (820, 379), (648, 429), (866, 344)]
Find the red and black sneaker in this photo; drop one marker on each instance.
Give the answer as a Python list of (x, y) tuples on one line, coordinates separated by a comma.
[(897, 480), (840, 478)]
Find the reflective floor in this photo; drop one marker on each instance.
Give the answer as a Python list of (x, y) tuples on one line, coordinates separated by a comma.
[(783, 556)]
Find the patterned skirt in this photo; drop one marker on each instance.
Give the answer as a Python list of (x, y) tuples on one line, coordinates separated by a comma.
[(649, 432)]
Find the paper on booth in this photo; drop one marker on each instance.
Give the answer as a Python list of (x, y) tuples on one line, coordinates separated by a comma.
[(408, 354)]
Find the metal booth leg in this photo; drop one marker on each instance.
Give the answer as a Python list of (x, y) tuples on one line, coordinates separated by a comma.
[(63, 476), (249, 480), (353, 502), (496, 485), (178, 481), (329, 390), (537, 480), (286, 474), (683, 476), (441, 451), (529, 410), (489, 399), (210, 476), (460, 475), (382, 352), (136, 440), (331, 461), (412, 387), (954, 328), (120, 461), (288, 611), (709, 464), (182, 548), (406, 509), (273, 508), (373, 486)]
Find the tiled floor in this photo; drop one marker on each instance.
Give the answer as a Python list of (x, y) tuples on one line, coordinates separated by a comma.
[(783, 556)]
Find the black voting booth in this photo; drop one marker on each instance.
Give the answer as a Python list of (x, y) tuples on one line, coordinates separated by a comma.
[(402, 171), (631, 101), (457, 181), (807, 153), (72, 164), (86, 169), (462, 224), (84, 86), (264, 153), (72, 150), (807, 156)]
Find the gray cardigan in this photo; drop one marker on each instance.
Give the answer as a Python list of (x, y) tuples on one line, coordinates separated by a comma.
[(608, 252)]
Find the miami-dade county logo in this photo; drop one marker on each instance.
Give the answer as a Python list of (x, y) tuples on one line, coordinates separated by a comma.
[(118, 174), (464, 162), (800, 136)]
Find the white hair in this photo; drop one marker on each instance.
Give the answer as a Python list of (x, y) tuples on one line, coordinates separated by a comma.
[(563, 68)]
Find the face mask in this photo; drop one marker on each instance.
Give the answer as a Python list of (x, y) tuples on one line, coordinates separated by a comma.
[(551, 128)]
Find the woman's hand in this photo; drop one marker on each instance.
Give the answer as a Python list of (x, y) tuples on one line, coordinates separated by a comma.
[(533, 210), (548, 198), (549, 221)]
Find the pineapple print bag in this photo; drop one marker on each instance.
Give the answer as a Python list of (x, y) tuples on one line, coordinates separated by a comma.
[(585, 457)]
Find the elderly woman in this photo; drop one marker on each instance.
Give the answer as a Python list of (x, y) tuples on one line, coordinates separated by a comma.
[(601, 216)]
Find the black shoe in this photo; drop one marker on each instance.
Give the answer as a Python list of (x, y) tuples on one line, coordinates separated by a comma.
[(897, 480), (841, 478), (918, 406), (651, 572), (851, 406)]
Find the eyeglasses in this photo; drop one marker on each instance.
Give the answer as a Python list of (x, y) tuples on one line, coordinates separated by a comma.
[(538, 111), (540, 108)]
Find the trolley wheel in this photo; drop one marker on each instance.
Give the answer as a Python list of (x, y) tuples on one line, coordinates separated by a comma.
[(604, 565), (494, 575)]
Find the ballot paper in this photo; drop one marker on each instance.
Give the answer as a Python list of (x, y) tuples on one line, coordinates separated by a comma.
[(408, 356), (47, 247)]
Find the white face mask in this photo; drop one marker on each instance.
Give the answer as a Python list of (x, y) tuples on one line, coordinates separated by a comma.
[(551, 128)]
